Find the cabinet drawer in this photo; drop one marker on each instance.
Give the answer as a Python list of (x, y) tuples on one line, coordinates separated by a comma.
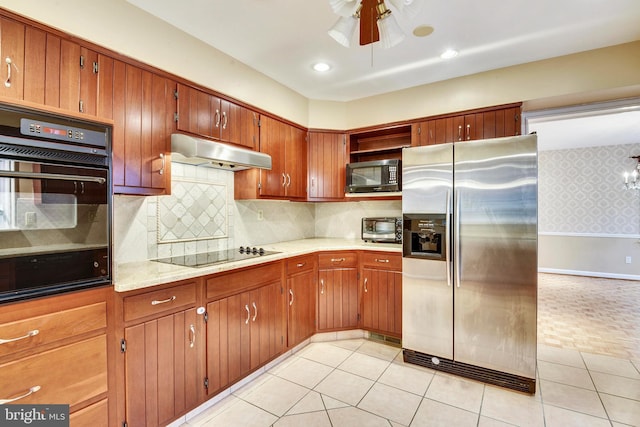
[(160, 301), (226, 284), (66, 375), (96, 415), (301, 264), (382, 260), (337, 260), (46, 329)]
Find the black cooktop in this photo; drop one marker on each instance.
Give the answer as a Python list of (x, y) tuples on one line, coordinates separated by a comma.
[(217, 257)]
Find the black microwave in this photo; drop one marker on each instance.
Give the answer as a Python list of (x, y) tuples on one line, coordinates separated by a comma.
[(374, 176)]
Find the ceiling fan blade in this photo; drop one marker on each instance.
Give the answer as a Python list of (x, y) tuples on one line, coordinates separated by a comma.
[(368, 26)]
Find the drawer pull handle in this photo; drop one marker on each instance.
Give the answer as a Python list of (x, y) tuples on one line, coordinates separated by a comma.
[(7, 83), (163, 301), (291, 293), (365, 284), (28, 335), (321, 286), (29, 393), (164, 164), (382, 260), (301, 264), (192, 335), (255, 312), (246, 307), (338, 259)]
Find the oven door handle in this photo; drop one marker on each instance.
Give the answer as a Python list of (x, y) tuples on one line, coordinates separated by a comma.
[(36, 175)]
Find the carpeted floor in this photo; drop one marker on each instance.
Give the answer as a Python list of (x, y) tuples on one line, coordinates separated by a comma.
[(593, 315)]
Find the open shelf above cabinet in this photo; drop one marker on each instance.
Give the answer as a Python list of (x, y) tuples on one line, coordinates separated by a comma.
[(379, 144)]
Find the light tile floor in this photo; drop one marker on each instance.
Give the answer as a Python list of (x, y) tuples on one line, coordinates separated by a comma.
[(357, 382)]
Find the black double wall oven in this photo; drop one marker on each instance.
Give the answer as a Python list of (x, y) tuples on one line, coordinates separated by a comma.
[(55, 204)]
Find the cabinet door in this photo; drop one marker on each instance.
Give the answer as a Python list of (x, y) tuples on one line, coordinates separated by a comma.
[(89, 70), (161, 370), (327, 165), (244, 331), (228, 123), (473, 126), (218, 345), (78, 78), (35, 48), (272, 142), (501, 123), (382, 301), (301, 291), (12, 52), (337, 298), (249, 129), (141, 104), (420, 133), (296, 163), (69, 75), (194, 111), (267, 332)]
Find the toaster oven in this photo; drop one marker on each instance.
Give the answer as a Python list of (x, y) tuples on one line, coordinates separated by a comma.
[(388, 229)]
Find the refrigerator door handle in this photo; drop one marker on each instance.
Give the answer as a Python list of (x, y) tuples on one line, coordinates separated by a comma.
[(456, 255), (447, 238)]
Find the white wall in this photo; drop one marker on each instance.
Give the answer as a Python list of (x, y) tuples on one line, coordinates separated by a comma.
[(118, 25), (123, 28), (597, 71)]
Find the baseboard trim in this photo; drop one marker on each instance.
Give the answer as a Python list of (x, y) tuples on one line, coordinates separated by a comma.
[(604, 275)]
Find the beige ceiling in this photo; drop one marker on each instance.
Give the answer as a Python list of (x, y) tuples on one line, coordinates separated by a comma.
[(283, 38)]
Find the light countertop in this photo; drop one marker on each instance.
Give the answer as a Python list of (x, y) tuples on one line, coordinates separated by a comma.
[(138, 275)]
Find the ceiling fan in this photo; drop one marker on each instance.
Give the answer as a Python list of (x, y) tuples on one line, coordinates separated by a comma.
[(377, 22)]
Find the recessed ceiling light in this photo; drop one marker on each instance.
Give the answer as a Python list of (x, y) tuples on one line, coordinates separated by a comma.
[(321, 67), (422, 30), (449, 53)]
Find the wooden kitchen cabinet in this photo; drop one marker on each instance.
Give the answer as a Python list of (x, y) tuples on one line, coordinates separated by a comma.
[(382, 292), (302, 275), (210, 116), (327, 165), (162, 347), (337, 292), (287, 178), (12, 57), (69, 333), (492, 122), (245, 329), (142, 105), (59, 72)]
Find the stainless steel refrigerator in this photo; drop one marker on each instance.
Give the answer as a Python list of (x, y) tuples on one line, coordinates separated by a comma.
[(470, 259)]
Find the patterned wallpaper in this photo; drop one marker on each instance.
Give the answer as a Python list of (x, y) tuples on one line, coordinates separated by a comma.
[(582, 191)]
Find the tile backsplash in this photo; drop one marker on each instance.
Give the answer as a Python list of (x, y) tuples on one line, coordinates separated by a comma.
[(195, 210), (201, 216)]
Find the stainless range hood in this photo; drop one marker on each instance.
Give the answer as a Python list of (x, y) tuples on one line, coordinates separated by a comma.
[(203, 152)]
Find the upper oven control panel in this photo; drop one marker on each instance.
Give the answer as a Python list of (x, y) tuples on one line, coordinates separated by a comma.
[(40, 129)]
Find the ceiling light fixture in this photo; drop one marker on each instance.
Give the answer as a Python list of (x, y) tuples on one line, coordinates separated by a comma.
[(631, 179), (321, 67), (449, 53), (377, 22)]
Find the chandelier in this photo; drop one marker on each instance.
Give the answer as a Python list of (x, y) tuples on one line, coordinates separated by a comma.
[(377, 22), (631, 179)]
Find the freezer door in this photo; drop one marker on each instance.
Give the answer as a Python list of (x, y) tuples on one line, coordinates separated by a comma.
[(495, 253), (427, 307), (427, 292), (427, 177)]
